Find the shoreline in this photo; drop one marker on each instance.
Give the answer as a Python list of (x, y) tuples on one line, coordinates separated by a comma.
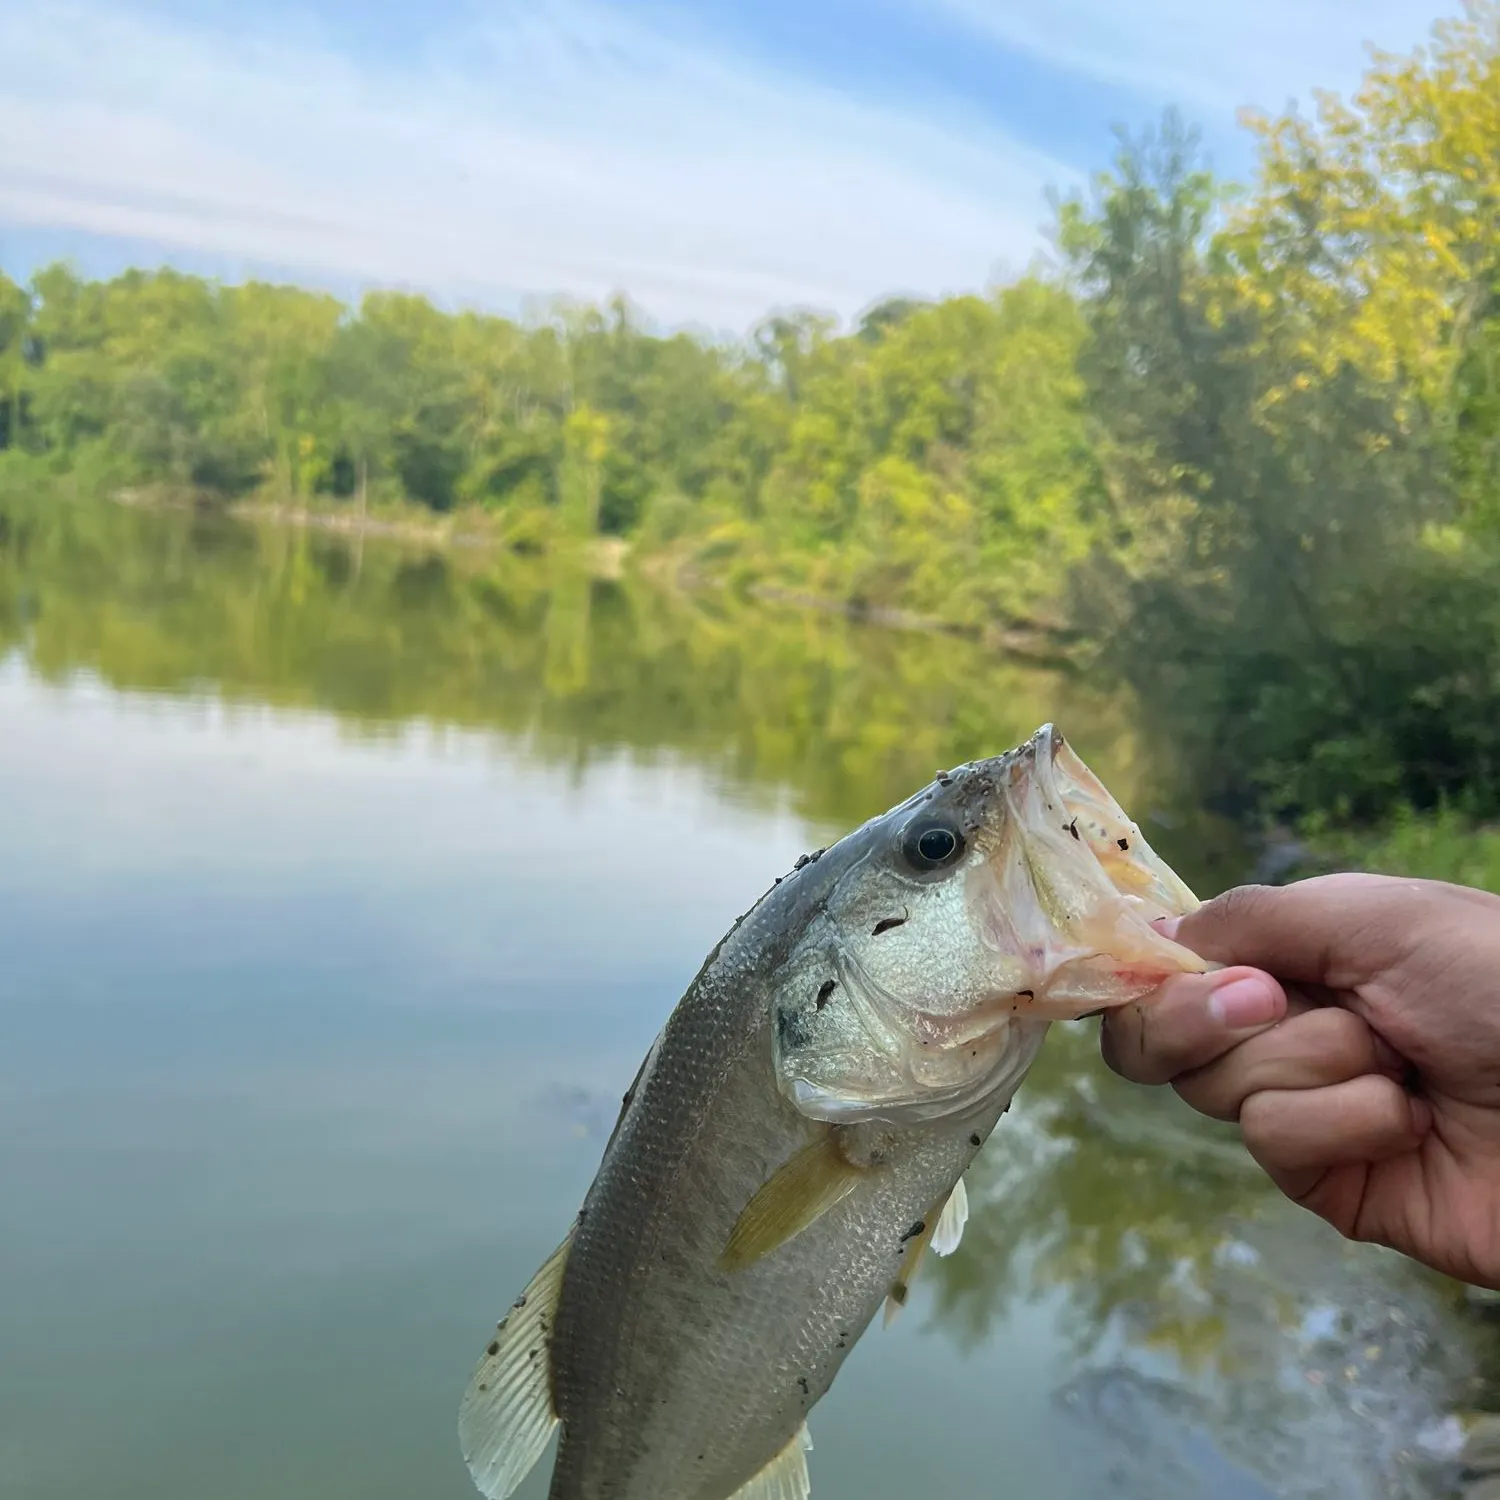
[(607, 557), (606, 554)]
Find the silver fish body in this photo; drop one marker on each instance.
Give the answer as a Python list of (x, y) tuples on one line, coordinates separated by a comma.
[(798, 1127), (675, 1379)]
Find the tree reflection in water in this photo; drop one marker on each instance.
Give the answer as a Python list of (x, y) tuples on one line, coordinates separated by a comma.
[(1226, 1343), (1216, 1333)]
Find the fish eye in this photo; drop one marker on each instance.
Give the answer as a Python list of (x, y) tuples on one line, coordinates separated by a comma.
[(931, 843)]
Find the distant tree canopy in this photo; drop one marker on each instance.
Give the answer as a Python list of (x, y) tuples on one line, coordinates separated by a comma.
[(1248, 445), (885, 463)]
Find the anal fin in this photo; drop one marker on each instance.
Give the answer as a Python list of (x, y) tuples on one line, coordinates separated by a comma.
[(785, 1477), (809, 1184), (506, 1417)]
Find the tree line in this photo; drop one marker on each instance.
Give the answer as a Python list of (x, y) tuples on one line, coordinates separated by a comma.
[(1243, 443)]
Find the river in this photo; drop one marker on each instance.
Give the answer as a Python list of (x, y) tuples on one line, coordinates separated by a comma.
[(342, 886)]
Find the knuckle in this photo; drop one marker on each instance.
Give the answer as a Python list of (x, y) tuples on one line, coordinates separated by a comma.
[(1283, 1136), (1307, 1052), (1260, 1126), (1216, 1091), (1390, 1108), (1336, 1039), (1236, 905), (1216, 928)]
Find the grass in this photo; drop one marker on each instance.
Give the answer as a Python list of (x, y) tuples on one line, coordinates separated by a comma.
[(1433, 846)]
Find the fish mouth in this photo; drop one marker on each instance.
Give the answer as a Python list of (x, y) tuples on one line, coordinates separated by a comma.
[(1070, 890), (1048, 777), (1059, 894)]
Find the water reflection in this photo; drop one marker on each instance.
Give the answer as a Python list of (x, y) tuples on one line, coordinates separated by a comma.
[(1230, 1345), (845, 719), (343, 889), (1117, 1193)]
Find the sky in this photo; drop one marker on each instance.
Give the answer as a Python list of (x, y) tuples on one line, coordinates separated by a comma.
[(713, 159)]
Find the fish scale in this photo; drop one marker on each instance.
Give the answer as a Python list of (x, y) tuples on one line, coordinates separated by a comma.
[(711, 1363), (784, 1155)]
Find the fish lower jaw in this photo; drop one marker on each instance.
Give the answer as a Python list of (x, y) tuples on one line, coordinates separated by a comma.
[(981, 1026), (940, 1082), (1094, 982)]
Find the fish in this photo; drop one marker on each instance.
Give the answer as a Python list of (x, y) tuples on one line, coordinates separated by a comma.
[(796, 1137)]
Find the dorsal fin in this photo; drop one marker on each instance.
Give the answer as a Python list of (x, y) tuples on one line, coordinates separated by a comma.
[(506, 1417), (785, 1477)]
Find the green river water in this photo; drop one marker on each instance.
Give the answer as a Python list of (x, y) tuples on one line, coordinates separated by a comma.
[(343, 885)]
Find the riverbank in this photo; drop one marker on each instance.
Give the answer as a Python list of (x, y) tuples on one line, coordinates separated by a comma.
[(468, 529), (1437, 845), (401, 649), (473, 529), (1441, 845)]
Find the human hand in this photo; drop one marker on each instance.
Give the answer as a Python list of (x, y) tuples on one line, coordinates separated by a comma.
[(1355, 1037)]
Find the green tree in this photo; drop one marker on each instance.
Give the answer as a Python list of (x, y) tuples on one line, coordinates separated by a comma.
[(1270, 586), (15, 339)]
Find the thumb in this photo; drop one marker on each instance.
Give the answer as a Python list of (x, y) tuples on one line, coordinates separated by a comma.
[(1333, 930)]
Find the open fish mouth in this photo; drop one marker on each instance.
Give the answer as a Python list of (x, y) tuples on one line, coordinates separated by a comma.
[(1072, 888), (1049, 767), (1043, 912)]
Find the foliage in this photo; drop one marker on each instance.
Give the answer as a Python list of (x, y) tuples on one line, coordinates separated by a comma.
[(938, 458), (1297, 584), (381, 633), (880, 467), (1441, 845), (1244, 445)]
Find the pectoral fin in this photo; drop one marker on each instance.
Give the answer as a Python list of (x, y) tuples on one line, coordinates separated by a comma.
[(785, 1477), (799, 1194), (506, 1417)]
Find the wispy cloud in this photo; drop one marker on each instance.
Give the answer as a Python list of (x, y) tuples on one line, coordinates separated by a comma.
[(548, 147), (1210, 57)]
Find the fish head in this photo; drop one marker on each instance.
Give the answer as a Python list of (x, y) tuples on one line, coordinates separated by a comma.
[(1009, 893)]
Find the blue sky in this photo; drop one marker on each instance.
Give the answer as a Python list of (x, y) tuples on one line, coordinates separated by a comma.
[(713, 159)]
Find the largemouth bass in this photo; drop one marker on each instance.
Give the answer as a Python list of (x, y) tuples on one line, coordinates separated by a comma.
[(798, 1132)]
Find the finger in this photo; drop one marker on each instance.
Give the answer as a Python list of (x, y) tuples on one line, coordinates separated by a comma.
[(1336, 930), (1298, 1135), (1188, 1022), (1311, 1050)]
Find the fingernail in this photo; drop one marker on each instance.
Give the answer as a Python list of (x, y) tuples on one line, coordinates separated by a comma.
[(1246, 1001), (1168, 926)]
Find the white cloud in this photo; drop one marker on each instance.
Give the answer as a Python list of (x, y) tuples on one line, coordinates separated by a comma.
[(550, 147), (1210, 57)]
